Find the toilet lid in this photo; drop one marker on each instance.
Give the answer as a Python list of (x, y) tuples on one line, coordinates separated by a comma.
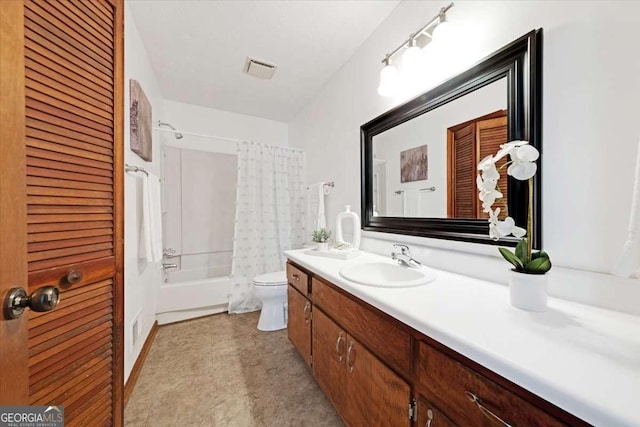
[(271, 279)]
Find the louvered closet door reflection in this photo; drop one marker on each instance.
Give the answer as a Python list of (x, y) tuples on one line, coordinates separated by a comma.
[(69, 70), (490, 134), (464, 187)]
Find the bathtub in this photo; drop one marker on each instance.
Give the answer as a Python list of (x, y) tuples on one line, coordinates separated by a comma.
[(187, 294)]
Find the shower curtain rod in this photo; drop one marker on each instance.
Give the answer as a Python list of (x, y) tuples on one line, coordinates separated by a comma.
[(220, 138), (199, 134)]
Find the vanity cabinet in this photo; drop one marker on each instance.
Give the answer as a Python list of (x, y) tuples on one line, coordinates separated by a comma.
[(469, 398), (377, 371), (299, 312), (363, 390)]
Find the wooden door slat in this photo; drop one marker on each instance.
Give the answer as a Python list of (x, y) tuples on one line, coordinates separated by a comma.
[(69, 95), (68, 104), (60, 131), (63, 252), (88, 412), (45, 327), (58, 235), (92, 18), (61, 169), (63, 149), (82, 397), (67, 52), (66, 183), (73, 32), (71, 201), (67, 124), (68, 226), (103, 10), (60, 192), (44, 218), (102, 16), (34, 60), (41, 265), (90, 368), (83, 390), (66, 347), (34, 171), (68, 369), (60, 339), (76, 322), (67, 243), (66, 162)]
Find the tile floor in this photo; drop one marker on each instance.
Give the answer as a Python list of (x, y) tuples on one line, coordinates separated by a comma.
[(221, 371)]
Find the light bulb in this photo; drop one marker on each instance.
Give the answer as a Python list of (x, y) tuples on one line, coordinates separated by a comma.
[(412, 60), (388, 81)]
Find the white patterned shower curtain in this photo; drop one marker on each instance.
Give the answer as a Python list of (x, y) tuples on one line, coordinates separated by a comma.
[(270, 203)]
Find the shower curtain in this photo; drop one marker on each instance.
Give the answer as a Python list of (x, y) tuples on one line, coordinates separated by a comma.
[(270, 203)]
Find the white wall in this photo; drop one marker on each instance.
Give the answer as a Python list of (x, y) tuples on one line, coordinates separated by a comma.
[(208, 121), (141, 280), (591, 90)]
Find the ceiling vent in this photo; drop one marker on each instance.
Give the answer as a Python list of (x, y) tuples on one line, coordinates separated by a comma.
[(259, 69)]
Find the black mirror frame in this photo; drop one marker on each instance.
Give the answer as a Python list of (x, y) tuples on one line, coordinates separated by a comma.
[(521, 63)]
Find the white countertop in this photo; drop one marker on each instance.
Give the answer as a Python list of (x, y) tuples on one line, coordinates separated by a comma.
[(583, 359)]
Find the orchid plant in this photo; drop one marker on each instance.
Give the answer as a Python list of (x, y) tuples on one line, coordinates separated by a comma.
[(522, 167)]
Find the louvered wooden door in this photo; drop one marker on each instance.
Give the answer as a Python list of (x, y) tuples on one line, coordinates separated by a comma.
[(73, 206), (461, 194), (490, 134)]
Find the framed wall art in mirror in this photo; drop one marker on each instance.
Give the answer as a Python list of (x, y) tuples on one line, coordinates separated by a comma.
[(419, 159)]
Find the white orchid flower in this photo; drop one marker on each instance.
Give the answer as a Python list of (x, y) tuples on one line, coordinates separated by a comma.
[(489, 197), (493, 216), (508, 226), (523, 164), (508, 148)]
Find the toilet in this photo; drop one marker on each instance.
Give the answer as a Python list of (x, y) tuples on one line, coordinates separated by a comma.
[(271, 289)]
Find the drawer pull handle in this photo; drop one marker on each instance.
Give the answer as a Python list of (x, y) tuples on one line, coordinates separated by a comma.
[(487, 413), (307, 312), (295, 276), (351, 356), (339, 346)]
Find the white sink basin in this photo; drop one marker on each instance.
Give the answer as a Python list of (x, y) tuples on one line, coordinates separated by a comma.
[(387, 275)]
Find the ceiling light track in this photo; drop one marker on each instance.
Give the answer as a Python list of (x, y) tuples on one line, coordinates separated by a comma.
[(439, 18)]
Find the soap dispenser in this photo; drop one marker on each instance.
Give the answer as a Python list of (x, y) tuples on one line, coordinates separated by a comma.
[(355, 221)]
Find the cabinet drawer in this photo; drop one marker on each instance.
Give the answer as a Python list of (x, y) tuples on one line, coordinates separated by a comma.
[(381, 336), (449, 384), (298, 279)]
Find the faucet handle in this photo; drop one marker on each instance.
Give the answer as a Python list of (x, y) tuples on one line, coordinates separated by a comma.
[(404, 249), (169, 252)]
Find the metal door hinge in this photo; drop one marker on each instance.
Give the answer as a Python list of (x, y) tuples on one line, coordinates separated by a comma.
[(413, 410)]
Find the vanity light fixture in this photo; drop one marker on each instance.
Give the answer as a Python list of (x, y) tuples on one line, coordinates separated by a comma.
[(413, 58)]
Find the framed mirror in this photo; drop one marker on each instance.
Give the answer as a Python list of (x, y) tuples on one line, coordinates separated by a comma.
[(419, 159)]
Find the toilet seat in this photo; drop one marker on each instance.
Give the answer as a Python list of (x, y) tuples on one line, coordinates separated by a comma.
[(279, 278)]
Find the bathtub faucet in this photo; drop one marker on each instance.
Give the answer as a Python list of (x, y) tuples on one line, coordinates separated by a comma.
[(169, 252), (166, 266)]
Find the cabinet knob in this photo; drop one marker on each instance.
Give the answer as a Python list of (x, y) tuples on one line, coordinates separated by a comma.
[(74, 276), (307, 312), (351, 356), (339, 346)]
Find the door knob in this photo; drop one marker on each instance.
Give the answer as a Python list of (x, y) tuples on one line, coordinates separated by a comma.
[(42, 299)]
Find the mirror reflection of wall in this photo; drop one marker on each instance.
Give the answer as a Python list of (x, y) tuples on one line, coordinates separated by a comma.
[(441, 149)]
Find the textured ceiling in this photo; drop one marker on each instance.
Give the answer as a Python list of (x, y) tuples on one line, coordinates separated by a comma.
[(198, 49)]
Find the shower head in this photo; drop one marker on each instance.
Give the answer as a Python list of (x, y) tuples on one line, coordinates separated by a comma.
[(177, 134)]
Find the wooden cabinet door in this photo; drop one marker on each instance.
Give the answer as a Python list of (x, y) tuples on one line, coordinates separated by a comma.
[(430, 416), (62, 217), (376, 396), (299, 323), (329, 359)]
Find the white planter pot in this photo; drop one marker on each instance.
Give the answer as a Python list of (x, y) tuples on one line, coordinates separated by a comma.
[(322, 247), (528, 291)]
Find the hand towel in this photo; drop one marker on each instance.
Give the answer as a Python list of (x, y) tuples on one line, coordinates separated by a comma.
[(411, 203), (315, 203), (151, 234), (629, 261)]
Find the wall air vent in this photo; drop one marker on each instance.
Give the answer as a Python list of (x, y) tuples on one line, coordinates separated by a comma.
[(259, 69)]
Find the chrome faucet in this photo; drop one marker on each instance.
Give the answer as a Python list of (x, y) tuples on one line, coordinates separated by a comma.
[(404, 256), (166, 266)]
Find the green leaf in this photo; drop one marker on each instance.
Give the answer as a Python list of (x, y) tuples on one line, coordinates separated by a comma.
[(510, 256), (539, 265), (521, 251), (539, 254)]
